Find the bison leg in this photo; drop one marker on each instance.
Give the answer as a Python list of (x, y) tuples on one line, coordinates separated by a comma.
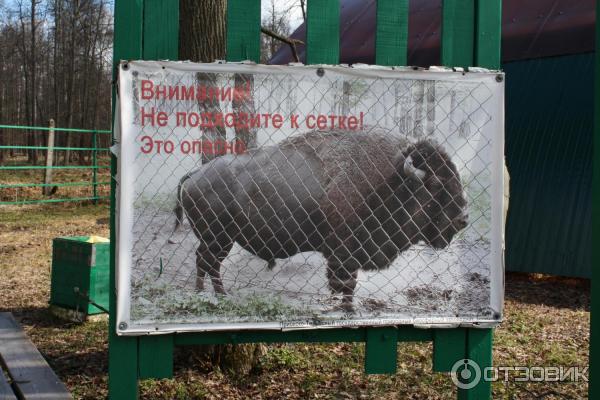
[(342, 279), (208, 261)]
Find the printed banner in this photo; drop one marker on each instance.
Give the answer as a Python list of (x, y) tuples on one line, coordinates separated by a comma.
[(269, 197)]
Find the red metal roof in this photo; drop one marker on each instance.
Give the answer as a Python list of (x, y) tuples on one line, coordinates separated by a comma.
[(530, 29)]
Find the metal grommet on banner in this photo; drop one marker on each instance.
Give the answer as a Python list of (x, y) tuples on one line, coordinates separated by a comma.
[(320, 72)]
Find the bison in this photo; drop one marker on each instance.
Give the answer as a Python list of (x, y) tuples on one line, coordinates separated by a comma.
[(359, 198)]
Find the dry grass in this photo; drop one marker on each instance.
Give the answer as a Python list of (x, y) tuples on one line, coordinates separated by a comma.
[(547, 323), (59, 176)]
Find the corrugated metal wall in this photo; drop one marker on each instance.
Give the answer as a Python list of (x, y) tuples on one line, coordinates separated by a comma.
[(549, 122)]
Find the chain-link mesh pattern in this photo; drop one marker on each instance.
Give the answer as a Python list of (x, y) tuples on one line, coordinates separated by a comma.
[(379, 210)]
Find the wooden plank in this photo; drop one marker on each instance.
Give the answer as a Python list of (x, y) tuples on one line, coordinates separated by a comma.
[(156, 356), (458, 33), (488, 34), (6, 392), (31, 375), (323, 32), (381, 351), (161, 30), (391, 43), (122, 351), (448, 347), (243, 30), (479, 349), (336, 335)]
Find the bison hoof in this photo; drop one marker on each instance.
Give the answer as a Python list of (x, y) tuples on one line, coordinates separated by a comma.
[(346, 307)]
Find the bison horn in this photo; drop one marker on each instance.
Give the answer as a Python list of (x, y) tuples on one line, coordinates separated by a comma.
[(411, 170)]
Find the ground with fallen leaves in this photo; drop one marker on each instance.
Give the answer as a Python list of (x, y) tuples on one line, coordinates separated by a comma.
[(546, 324)]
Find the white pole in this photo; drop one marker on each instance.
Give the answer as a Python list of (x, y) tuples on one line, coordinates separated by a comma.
[(47, 190)]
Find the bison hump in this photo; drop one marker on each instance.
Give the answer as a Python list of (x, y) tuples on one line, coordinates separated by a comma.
[(353, 165)]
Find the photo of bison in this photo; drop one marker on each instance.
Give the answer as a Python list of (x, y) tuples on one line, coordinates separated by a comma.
[(359, 198)]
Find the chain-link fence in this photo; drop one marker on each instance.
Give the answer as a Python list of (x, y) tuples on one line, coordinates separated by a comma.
[(255, 196)]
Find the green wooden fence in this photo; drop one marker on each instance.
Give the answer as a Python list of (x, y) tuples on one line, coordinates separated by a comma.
[(11, 169), (470, 37)]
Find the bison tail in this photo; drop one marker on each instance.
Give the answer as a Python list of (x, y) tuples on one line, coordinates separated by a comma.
[(178, 206), (178, 216)]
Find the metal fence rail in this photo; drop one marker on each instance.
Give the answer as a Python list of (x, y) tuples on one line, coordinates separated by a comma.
[(11, 192)]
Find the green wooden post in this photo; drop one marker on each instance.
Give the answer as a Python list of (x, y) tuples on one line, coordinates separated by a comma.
[(471, 34), (479, 349), (323, 32), (448, 348), (594, 392), (243, 30), (381, 349), (391, 45), (94, 169), (160, 30), (156, 353), (458, 28), (143, 30), (122, 351), (488, 34), (156, 356)]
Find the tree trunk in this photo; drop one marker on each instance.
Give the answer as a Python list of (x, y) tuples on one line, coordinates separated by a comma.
[(71, 77), (202, 38), (202, 30), (32, 86)]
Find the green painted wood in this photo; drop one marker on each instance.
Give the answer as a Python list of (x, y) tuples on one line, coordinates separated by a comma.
[(160, 30), (391, 43), (550, 159), (471, 32), (80, 274), (156, 356), (448, 348), (405, 334), (479, 349), (323, 32), (128, 30), (594, 385), (243, 30), (381, 350), (458, 28), (488, 34), (122, 351)]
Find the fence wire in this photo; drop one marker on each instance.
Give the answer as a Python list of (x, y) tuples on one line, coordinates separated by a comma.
[(371, 199)]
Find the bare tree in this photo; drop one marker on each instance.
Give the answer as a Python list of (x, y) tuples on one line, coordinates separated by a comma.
[(277, 22), (55, 63), (202, 37)]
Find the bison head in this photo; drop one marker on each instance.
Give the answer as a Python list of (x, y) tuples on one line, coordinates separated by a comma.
[(436, 201)]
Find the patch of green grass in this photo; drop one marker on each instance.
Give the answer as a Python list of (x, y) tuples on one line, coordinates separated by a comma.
[(173, 389), (284, 357), (165, 305)]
